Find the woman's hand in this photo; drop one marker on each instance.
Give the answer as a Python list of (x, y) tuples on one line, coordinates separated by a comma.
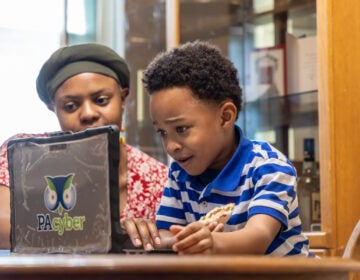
[(142, 232)]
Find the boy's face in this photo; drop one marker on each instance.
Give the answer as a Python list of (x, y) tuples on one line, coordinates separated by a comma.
[(195, 133), (88, 100)]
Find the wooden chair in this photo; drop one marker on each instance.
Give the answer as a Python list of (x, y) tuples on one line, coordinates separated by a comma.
[(352, 249)]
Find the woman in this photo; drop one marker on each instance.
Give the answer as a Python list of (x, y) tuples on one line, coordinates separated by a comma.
[(86, 86)]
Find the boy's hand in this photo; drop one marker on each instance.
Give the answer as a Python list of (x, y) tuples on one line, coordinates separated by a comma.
[(194, 238)]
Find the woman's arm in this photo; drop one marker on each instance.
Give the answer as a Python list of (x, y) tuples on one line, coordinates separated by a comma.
[(4, 217)]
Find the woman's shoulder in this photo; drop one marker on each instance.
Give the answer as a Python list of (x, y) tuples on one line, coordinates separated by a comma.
[(144, 168), (136, 155), (145, 172), (22, 136), (25, 135)]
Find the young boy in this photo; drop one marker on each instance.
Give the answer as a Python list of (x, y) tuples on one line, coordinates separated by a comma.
[(195, 100)]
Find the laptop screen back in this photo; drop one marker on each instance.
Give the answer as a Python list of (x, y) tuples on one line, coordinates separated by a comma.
[(63, 190)]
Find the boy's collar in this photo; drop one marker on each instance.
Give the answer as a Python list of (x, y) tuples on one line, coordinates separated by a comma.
[(228, 178)]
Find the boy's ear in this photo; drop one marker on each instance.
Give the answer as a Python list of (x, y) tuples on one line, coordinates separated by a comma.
[(228, 113)]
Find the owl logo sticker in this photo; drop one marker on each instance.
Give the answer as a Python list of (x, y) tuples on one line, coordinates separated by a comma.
[(60, 193)]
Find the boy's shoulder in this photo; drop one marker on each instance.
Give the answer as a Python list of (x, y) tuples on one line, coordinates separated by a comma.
[(266, 150), (258, 153)]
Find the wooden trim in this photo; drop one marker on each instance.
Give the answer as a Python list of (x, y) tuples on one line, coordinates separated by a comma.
[(160, 267), (326, 130), (339, 103), (319, 240)]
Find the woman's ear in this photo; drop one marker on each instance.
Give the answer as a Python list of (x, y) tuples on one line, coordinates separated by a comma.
[(124, 93), (51, 107), (228, 113)]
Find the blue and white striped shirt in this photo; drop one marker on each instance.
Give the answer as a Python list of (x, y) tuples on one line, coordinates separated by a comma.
[(258, 179)]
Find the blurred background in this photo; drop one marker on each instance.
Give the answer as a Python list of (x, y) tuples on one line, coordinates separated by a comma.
[(138, 29)]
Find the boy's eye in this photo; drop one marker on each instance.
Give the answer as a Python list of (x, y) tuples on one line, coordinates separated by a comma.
[(162, 133), (181, 129)]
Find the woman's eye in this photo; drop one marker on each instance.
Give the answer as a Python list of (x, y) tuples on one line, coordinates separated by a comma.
[(102, 100), (69, 107)]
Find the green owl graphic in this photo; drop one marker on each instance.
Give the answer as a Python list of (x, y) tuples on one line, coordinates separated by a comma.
[(60, 193)]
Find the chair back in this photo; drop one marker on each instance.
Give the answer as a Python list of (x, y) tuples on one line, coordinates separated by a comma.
[(352, 249)]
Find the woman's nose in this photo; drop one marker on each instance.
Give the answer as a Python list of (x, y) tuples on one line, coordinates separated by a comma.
[(88, 113)]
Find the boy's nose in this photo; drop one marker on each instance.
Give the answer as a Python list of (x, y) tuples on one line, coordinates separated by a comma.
[(172, 147)]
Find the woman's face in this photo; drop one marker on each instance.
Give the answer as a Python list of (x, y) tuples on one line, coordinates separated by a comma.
[(89, 100)]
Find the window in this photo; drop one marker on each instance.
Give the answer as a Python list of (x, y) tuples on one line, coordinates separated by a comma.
[(29, 32)]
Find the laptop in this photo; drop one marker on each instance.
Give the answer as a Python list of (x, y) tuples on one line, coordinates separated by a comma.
[(64, 192)]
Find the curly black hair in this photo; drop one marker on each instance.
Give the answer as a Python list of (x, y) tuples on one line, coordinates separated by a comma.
[(198, 66)]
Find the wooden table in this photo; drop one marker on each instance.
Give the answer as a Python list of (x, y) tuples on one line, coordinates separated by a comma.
[(172, 267)]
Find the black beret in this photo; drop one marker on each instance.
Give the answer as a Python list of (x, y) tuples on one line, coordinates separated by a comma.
[(72, 60)]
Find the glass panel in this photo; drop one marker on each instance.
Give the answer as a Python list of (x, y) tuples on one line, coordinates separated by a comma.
[(144, 37), (281, 99), (270, 110)]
